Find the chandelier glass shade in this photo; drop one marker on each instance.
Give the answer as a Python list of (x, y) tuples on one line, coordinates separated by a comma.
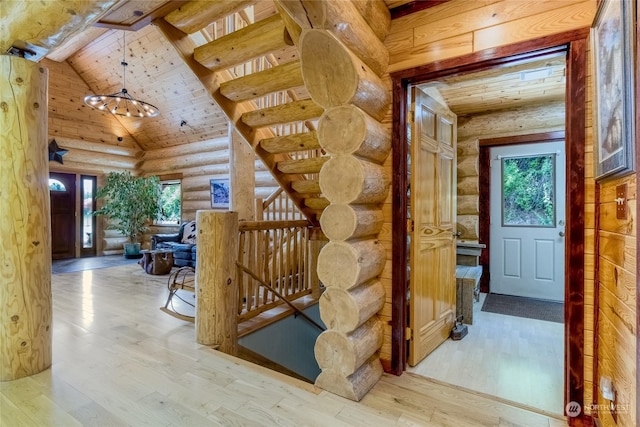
[(122, 103)]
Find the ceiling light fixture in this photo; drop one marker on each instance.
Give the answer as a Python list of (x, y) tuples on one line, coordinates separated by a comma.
[(537, 74), (122, 103)]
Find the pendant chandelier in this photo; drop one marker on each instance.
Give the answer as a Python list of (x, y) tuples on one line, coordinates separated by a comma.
[(122, 103)]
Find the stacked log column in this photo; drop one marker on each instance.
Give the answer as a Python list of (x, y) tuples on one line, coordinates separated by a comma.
[(468, 189), (355, 183)]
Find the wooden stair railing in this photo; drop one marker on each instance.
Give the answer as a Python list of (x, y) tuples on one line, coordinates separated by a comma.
[(279, 295)]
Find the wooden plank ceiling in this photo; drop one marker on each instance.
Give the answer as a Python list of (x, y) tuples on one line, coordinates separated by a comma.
[(527, 84), (155, 74)]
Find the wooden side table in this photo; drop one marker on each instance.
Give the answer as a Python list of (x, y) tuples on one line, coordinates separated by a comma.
[(467, 287), (157, 261)]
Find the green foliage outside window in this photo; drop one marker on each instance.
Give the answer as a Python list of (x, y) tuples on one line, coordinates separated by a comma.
[(170, 203), (528, 186)]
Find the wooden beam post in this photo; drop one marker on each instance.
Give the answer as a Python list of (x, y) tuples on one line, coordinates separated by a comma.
[(25, 234), (216, 287), (243, 184)]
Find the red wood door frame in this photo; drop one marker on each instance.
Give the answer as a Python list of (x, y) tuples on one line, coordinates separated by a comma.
[(574, 44)]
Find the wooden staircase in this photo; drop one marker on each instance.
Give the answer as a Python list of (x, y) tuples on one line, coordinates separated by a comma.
[(250, 64), (263, 66)]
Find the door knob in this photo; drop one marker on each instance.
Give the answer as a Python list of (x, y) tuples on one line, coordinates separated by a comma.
[(561, 234), (457, 234)]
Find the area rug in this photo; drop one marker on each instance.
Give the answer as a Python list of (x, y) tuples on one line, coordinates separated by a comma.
[(90, 263), (524, 307)]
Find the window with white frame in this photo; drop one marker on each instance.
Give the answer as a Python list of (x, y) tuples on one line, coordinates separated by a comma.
[(170, 202)]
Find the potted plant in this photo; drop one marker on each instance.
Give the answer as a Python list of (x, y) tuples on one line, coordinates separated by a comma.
[(130, 201)]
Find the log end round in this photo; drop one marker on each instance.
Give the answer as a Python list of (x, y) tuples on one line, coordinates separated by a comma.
[(338, 310), (333, 350), (346, 179), (356, 385), (338, 265), (342, 130), (348, 264), (345, 310), (329, 82), (341, 179), (338, 221)]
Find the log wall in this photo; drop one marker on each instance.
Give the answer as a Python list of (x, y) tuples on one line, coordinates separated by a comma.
[(460, 27)]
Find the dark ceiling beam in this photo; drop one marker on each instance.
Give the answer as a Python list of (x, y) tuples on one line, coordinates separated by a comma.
[(159, 12), (413, 7)]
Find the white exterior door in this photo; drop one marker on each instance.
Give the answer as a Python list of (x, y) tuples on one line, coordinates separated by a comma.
[(527, 220)]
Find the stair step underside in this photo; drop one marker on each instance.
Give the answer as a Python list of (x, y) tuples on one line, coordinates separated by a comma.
[(248, 43), (281, 77), (291, 143), (302, 166), (318, 203), (306, 186), (286, 113)]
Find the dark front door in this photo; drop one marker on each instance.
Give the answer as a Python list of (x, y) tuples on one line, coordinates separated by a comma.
[(62, 188)]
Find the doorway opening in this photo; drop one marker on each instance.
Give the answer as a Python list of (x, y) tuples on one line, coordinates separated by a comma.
[(573, 45), (515, 349)]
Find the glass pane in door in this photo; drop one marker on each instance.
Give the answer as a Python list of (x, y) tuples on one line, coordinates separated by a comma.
[(88, 220), (528, 198)]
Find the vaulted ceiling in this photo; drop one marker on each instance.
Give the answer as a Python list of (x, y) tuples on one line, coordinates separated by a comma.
[(94, 46)]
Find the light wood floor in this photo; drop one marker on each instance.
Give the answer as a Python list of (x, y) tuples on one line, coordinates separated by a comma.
[(118, 360), (514, 358)]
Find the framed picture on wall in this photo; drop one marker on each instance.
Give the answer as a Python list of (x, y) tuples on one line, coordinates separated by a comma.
[(220, 193), (612, 38)]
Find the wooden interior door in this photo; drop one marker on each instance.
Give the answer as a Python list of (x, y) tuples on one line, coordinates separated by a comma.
[(432, 225), (63, 216)]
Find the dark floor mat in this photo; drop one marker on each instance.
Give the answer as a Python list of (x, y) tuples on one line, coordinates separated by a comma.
[(524, 307)]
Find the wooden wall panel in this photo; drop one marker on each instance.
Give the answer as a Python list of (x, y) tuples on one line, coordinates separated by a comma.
[(617, 312), (460, 27), (534, 25)]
